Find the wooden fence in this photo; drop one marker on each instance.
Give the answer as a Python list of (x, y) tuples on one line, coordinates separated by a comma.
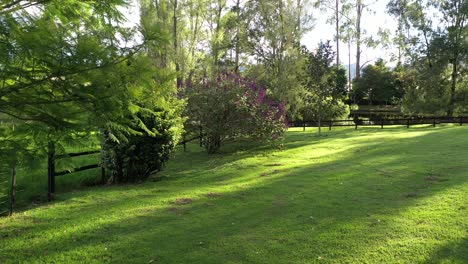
[(51, 173), (52, 158), (410, 121), (199, 137)]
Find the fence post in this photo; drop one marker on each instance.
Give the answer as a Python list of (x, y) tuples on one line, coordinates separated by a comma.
[(461, 120), (407, 123), (51, 170), (103, 173), (13, 188), (433, 122), (201, 136), (381, 123), (330, 125)]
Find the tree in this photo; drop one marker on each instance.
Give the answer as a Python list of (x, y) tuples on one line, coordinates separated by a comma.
[(68, 68), (340, 19), (274, 32), (360, 6), (325, 86), (438, 38), (398, 8), (453, 40), (377, 85), (232, 107)]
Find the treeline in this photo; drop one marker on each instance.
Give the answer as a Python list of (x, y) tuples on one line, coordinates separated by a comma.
[(431, 46)]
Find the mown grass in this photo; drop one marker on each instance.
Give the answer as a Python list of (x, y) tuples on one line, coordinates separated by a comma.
[(367, 196)]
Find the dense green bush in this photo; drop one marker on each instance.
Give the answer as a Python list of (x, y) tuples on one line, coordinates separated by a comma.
[(232, 107), (378, 85), (144, 152), (325, 86)]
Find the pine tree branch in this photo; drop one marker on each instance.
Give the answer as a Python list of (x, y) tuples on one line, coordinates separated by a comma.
[(51, 76), (17, 6)]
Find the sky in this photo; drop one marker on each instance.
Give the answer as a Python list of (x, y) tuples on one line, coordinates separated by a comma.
[(371, 22)]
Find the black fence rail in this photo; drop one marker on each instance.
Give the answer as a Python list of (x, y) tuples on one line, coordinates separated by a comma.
[(410, 121), (199, 137), (52, 173)]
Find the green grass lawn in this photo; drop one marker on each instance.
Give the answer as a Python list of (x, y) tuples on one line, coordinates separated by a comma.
[(368, 196)]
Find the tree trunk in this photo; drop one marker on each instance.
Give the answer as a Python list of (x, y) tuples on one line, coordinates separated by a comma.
[(13, 189), (217, 30), (337, 20), (298, 26), (451, 106), (176, 46), (359, 8), (319, 126), (349, 70), (283, 33), (236, 69)]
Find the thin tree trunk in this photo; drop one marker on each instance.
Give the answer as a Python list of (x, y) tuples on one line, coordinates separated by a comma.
[(176, 45), (359, 8), (319, 126), (349, 69), (453, 87), (337, 20), (216, 45), (192, 46), (236, 69), (299, 12), (283, 38), (13, 189)]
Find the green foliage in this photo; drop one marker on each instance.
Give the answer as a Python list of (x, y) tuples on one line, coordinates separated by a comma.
[(62, 70), (69, 69), (141, 140), (437, 48), (232, 107), (143, 154), (426, 90), (274, 31), (377, 85), (325, 86), (283, 80)]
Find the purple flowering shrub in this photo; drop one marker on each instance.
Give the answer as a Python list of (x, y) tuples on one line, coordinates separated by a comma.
[(231, 107)]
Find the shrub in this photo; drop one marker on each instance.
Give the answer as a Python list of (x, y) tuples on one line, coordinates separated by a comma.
[(231, 107), (144, 152)]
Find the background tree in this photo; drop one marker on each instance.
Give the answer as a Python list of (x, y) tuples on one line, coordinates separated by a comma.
[(325, 86), (399, 9), (377, 85), (438, 42), (231, 107), (274, 32)]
